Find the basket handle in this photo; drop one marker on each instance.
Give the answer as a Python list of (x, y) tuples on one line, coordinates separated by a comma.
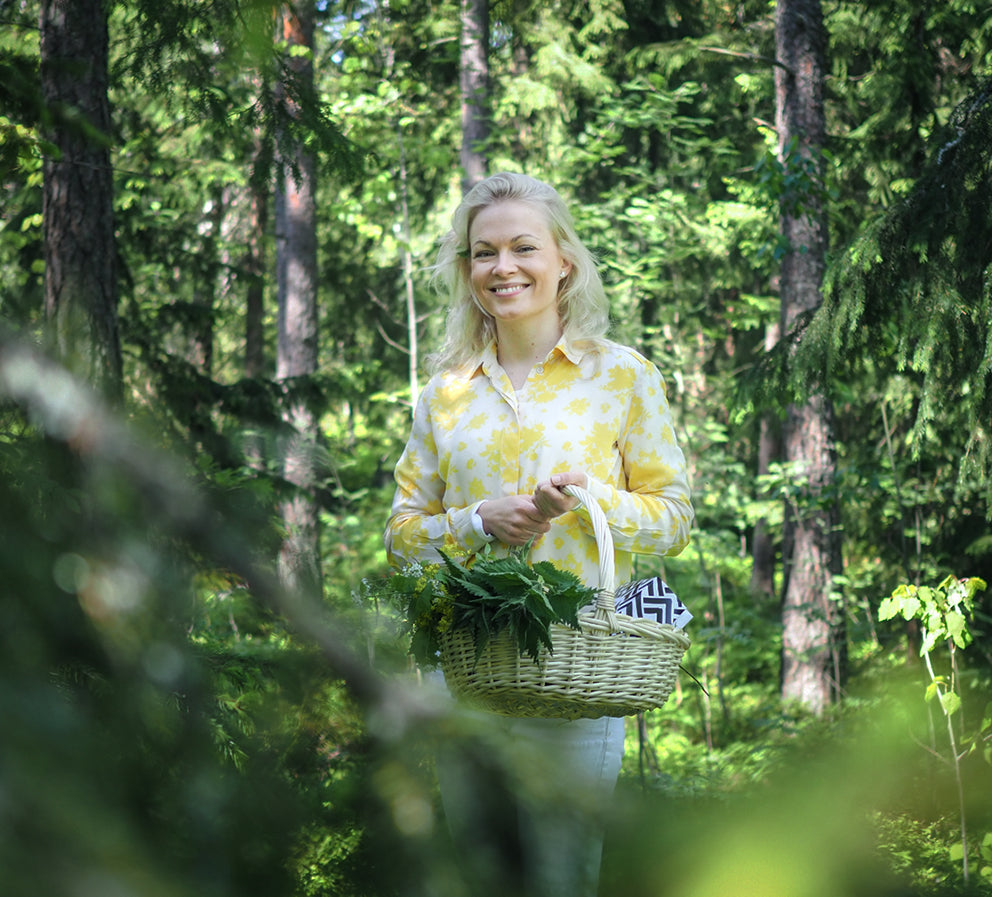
[(605, 606)]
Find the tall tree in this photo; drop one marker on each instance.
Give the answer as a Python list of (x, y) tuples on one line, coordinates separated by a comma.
[(253, 263), (297, 350), (474, 85), (812, 653), (763, 548), (77, 205)]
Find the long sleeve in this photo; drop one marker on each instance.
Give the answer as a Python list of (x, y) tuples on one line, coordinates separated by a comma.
[(651, 513), (420, 523)]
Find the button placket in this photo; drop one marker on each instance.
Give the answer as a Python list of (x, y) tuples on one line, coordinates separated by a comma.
[(509, 436)]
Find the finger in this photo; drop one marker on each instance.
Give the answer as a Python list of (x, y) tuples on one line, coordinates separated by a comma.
[(570, 478)]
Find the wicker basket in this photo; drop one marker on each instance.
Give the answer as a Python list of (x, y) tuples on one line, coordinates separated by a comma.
[(614, 665)]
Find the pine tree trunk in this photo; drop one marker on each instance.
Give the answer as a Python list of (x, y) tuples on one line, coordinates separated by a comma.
[(77, 202), (254, 268), (296, 355), (812, 652), (206, 284), (474, 86), (769, 448)]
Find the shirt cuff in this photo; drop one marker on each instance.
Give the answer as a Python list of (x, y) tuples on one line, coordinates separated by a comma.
[(477, 525)]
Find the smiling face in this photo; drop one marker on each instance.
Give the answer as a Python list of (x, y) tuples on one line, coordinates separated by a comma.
[(516, 266)]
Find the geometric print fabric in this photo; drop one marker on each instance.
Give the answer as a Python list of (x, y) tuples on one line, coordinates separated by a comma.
[(652, 598)]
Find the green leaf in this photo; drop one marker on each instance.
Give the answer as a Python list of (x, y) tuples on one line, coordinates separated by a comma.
[(957, 629), (889, 608), (491, 595), (950, 703)]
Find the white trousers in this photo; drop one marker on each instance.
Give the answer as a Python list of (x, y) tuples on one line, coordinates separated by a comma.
[(526, 803)]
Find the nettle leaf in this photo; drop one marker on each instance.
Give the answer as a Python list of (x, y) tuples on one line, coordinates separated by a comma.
[(421, 644), (492, 595), (485, 596), (565, 609)]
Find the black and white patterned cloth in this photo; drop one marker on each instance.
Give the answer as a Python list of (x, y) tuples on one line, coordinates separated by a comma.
[(652, 598)]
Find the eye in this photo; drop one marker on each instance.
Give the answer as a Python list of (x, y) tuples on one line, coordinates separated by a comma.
[(482, 253), (526, 248)]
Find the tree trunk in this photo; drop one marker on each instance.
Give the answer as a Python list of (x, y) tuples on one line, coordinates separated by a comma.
[(195, 324), (812, 649), (474, 86), (206, 284), (296, 354), (78, 192), (769, 448), (254, 268), (413, 363)]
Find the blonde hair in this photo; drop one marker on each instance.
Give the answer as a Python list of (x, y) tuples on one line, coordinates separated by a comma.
[(582, 301)]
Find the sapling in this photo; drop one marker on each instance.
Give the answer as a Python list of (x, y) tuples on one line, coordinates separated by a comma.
[(945, 613)]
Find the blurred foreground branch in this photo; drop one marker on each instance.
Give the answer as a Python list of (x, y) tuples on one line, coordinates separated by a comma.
[(71, 413)]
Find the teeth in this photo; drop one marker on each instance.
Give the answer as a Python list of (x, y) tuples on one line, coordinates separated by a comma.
[(510, 289)]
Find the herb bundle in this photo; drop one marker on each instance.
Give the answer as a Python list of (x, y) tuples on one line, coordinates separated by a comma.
[(487, 596)]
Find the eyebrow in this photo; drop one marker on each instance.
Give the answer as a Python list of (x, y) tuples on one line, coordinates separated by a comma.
[(512, 239)]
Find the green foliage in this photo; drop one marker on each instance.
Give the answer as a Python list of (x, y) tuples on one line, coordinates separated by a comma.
[(492, 595), (944, 611), (165, 733), (945, 614), (486, 595), (109, 731), (912, 290), (918, 851)]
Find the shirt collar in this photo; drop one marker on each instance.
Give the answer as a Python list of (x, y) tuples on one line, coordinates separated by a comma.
[(573, 351)]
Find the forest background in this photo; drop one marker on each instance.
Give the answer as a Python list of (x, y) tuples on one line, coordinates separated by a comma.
[(213, 335)]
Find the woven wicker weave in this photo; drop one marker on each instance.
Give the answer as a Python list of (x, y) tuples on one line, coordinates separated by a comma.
[(614, 665)]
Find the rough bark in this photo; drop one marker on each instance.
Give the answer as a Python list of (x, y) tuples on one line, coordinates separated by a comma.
[(297, 349), (812, 651), (474, 86), (769, 450), (254, 270), (77, 201)]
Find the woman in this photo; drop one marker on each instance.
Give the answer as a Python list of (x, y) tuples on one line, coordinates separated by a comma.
[(527, 396)]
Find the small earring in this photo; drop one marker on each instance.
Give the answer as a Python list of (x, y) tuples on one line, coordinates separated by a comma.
[(563, 275)]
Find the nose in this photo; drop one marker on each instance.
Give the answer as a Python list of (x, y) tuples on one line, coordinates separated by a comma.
[(505, 262)]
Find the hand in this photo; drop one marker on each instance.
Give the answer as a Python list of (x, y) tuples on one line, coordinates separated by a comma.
[(549, 498), (514, 520)]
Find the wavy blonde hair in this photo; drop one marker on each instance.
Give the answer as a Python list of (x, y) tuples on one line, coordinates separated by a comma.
[(582, 301)]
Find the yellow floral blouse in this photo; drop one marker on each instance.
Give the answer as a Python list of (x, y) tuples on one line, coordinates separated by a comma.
[(598, 408)]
